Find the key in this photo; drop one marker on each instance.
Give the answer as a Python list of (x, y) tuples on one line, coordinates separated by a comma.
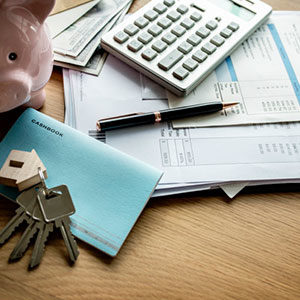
[(11, 226), (169, 2), (25, 199), (170, 60), (211, 25), (39, 245), (173, 15), (194, 40), (57, 208), (187, 23), (233, 26), (195, 16), (182, 9), (23, 242), (180, 73), (160, 8), (41, 239), (149, 54), (28, 200), (169, 38)]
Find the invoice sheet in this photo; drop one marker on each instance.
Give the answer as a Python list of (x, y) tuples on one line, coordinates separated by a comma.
[(190, 158), (262, 75), (215, 155)]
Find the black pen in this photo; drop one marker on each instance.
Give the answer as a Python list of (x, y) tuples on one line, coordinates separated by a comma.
[(136, 119)]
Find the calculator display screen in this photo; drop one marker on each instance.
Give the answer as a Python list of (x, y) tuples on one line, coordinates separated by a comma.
[(235, 9)]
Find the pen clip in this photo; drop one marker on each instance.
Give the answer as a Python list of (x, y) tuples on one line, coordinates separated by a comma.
[(121, 116)]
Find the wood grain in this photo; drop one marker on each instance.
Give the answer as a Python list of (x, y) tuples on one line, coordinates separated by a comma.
[(194, 246)]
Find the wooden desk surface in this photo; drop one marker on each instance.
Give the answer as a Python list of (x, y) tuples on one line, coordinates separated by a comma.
[(187, 247)]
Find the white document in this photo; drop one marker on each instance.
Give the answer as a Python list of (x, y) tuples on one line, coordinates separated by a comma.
[(59, 22), (74, 39), (192, 159), (189, 157), (262, 74)]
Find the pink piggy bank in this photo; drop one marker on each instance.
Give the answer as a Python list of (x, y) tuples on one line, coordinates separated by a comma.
[(26, 56)]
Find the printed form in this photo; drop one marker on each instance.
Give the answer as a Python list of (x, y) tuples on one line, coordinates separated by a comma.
[(262, 74), (191, 158)]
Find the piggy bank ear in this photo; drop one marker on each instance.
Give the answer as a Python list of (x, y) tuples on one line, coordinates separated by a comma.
[(39, 8)]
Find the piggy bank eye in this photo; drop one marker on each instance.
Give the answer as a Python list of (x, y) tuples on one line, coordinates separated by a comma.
[(12, 56)]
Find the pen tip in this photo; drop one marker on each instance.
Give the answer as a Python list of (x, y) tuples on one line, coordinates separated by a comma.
[(229, 104)]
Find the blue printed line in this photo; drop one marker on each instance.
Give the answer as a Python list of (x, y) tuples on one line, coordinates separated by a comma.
[(286, 61), (231, 69)]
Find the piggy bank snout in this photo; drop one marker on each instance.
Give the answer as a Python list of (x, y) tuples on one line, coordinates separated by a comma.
[(15, 88)]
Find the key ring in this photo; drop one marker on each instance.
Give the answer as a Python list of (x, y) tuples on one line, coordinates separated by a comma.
[(42, 177)]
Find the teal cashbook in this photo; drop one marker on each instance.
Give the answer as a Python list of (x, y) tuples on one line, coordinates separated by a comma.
[(109, 188)]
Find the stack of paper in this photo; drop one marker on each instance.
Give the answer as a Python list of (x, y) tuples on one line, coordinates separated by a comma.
[(76, 32), (193, 159)]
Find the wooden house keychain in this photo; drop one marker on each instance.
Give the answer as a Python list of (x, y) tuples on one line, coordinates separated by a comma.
[(41, 208)]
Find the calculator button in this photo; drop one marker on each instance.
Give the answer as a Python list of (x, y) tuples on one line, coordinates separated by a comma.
[(190, 64), (178, 30), (200, 56), (164, 23), (169, 38), (185, 47), (145, 38), (170, 60), (219, 19), (195, 16), (182, 9), (160, 8), (169, 2), (141, 22), (180, 73), (203, 32), (131, 29), (211, 25), (151, 15), (187, 23), (159, 46), (173, 15), (134, 46), (155, 30), (233, 26), (217, 40), (226, 33), (194, 40), (149, 54), (209, 48), (121, 37)]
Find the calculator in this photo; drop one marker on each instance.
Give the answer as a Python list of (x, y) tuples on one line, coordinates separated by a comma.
[(178, 43)]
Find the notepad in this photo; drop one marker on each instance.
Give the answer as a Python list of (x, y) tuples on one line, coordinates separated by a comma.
[(109, 188)]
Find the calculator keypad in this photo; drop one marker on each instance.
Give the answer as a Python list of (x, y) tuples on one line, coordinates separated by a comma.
[(226, 33), (131, 29), (169, 2), (233, 26), (217, 40), (182, 9), (151, 15), (141, 22), (203, 32), (170, 60), (176, 37)]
